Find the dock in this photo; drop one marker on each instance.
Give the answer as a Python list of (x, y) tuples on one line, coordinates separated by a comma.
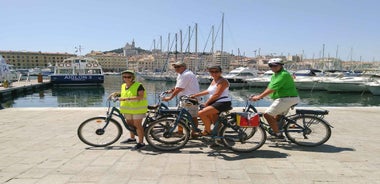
[(22, 87), (40, 145)]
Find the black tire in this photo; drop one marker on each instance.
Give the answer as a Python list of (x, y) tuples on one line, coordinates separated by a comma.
[(158, 136), (241, 139), (93, 133), (307, 130)]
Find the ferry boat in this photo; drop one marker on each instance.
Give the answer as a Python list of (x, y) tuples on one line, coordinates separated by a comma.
[(78, 70)]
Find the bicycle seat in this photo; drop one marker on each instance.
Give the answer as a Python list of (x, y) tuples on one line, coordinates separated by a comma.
[(153, 107), (315, 112)]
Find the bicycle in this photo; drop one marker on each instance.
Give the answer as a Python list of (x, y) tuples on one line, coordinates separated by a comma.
[(160, 133), (305, 127), (105, 130)]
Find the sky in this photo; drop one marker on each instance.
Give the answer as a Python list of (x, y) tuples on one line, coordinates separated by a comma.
[(349, 29)]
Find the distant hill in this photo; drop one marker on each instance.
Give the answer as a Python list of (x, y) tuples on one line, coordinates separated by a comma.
[(120, 50)]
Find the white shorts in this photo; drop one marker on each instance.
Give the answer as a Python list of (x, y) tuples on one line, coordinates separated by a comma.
[(281, 106)]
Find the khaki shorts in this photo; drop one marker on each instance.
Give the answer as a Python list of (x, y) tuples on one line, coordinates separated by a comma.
[(134, 116), (281, 106), (192, 109)]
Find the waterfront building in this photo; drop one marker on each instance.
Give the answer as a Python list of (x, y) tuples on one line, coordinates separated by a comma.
[(110, 62), (27, 60)]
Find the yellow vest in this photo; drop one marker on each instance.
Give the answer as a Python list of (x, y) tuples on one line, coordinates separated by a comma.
[(133, 106)]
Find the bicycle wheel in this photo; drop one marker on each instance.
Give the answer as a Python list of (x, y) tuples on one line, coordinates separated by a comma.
[(96, 132), (307, 130), (159, 137), (243, 139)]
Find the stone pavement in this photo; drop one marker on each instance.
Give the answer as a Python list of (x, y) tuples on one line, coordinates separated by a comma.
[(40, 145)]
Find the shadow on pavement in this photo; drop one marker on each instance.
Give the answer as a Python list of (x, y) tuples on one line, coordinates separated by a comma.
[(325, 148), (254, 154)]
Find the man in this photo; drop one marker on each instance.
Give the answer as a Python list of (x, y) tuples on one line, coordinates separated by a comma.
[(282, 90), (187, 84)]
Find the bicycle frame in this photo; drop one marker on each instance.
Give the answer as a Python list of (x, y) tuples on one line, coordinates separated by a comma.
[(288, 118)]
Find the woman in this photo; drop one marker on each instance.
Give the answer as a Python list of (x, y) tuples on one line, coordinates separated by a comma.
[(134, 105), (218, 101)]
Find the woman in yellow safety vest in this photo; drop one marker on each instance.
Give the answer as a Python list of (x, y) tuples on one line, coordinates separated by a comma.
[(134, 105)]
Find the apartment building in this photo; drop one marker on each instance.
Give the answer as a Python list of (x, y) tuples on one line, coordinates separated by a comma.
[(26, 60)]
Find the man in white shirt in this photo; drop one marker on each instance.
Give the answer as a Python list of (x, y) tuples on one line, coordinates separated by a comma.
[(187, 84)]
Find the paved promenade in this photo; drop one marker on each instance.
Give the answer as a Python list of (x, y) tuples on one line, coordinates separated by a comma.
[(40, 145)]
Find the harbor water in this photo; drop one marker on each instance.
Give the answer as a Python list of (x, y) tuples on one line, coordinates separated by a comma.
[(96, 96)]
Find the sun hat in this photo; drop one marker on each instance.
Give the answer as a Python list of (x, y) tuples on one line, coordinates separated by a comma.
[(128, 71), (179, 63), (214, 67)]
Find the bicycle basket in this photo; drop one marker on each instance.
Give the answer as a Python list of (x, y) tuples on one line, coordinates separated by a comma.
[(247, 119)]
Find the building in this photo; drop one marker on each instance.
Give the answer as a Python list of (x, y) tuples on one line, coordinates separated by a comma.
[(130, 49), (110, 62), (27, 60)]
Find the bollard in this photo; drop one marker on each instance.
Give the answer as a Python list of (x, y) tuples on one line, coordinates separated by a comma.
[(39, 78)]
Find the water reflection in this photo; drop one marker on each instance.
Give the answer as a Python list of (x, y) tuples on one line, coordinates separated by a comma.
[(78, 96)]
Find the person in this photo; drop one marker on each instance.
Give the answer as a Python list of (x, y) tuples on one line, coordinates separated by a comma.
[(187, 84), (282, 90), (133, 105), (218, 101)]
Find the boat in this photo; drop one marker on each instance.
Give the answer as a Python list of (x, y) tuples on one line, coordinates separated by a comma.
[(374, 87), (7, 72), (347, 84), (260, 81), (237, 77), (308, 79), (78, 70)]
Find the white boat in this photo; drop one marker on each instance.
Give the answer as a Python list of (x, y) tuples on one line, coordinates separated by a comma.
[(7, 72), (204, 78), (347, 84), (260, 81), (78, 70), (374, 87), (237, 77), (309, 79)]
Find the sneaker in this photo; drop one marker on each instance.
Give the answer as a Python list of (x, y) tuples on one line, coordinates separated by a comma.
[(129, 140), (139, 146)]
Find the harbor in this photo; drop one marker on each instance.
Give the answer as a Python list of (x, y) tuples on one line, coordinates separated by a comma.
[(47, 95), (30, 154)]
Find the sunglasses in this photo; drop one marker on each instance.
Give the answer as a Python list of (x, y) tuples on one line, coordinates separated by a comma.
[(177, 66), (272, 65), (127, 77), (213, 71)]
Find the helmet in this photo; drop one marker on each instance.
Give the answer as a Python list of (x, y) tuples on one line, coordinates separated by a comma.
[(128, 71), (275, 61)]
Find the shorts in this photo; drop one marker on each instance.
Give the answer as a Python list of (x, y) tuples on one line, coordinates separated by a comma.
[(192, 109), (222, 106), (281, 106), (134, 116)]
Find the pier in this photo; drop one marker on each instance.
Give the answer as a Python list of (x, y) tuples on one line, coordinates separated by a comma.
[(22, 87), (40, 145)]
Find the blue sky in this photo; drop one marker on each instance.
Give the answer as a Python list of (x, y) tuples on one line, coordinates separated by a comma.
[(349, 27)]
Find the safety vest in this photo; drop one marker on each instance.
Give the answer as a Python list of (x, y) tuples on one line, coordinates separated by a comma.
[(133, 106)]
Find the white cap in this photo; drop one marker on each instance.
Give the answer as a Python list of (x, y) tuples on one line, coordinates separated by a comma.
[(275, 61)]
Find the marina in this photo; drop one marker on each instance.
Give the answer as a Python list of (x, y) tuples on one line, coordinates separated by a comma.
[(95, 96)]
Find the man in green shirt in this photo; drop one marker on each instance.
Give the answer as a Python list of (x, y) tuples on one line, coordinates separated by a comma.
[(282, 90)]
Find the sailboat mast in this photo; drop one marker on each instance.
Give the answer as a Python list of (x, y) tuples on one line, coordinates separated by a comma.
[(222, 34)]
